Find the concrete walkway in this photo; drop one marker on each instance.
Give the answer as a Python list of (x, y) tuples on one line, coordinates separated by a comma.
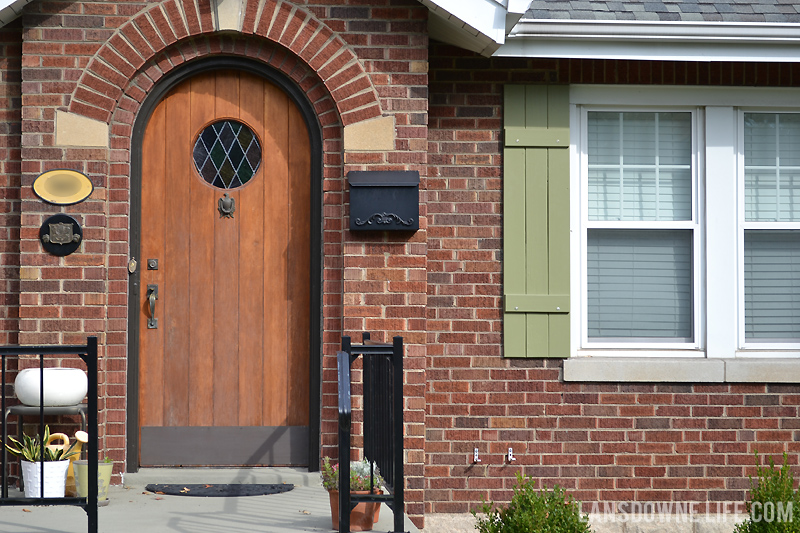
[(132, 510)]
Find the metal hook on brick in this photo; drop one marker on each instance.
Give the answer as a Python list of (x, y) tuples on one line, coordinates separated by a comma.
[(511, 454)]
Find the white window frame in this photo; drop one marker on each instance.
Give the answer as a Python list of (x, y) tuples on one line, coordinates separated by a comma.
[(755, 348), (718, 149), (694, 225)]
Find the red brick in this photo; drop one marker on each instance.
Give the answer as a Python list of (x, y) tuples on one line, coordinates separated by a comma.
[(173, 15), (280, 21), (206, 22), (140, 44), (164, 28), (149, 32)]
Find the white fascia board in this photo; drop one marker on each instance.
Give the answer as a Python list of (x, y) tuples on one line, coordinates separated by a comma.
[(10, 10), (477, 25), (488, 17), (518, 6), (642, 40), (447, 31)]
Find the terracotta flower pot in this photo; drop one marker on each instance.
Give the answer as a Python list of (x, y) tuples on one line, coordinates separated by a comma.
[(362, 518)]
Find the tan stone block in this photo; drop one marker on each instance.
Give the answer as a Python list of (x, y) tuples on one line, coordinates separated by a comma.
[(449, 523), (762, 370), (228, 15), (601, 525), (659, 524), (717, 523), (376, 135), (75, 130)]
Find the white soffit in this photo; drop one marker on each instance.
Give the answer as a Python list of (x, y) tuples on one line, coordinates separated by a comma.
[(477, 25), (11, 9), (643, 40)]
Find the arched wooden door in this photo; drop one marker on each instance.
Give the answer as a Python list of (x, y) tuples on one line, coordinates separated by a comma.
[(225, 233)]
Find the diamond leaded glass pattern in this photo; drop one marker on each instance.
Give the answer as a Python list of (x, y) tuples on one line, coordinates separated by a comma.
[(227, 154)]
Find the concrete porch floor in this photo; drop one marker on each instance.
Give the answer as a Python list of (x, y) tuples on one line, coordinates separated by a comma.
[(305, 508)]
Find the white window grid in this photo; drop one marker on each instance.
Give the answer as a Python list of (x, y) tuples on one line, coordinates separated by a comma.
[(694, 225), (754, 348), (719, 117)]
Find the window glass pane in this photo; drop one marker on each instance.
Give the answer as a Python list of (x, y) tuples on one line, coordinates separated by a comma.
[(789, 204), (639, 138), (640, 166), (604, 141), (772, 167), (760, 134), (789, 132), (604, 194), (640, 285), (675, 139), (761, 195), (227, 154), (639, 195), (772, 285), (674, 194)]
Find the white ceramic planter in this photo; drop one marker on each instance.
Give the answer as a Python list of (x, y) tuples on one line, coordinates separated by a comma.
[(55, 478), (62, 386)]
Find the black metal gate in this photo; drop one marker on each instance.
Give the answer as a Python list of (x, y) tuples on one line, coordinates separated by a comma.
[(88, 354), (383, 424)]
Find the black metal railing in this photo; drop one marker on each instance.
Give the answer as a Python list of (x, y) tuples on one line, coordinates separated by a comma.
[(88, 354), (382, 427)]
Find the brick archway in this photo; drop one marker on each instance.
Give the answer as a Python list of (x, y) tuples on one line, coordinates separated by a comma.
[(165, 35)]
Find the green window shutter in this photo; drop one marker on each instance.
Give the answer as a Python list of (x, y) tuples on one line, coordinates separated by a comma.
[(536, 221)]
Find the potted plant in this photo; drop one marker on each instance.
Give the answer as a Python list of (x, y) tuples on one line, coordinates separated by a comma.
[(104, 470), (365, 514), (35, 458)]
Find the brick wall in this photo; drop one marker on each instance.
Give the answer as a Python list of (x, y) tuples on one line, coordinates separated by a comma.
[(604, 442), (100, 60), (10, 138), (384, 275)]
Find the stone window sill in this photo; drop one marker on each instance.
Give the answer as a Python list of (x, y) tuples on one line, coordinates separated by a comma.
[(681, 370)]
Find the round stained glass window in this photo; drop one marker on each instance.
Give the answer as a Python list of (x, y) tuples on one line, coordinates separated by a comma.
[(227, 154)]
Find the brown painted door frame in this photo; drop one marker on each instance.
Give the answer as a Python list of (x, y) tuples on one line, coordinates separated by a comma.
[(315, 209)]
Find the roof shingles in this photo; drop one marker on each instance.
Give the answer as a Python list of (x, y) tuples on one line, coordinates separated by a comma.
[(774, 11)]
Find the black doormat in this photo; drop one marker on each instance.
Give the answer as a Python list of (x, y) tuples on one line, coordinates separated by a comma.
[(219, 489)]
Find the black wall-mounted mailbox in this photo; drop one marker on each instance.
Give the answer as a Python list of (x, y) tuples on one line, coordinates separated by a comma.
[(384, 200)]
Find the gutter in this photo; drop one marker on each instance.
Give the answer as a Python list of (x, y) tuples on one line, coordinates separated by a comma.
[(646, 40)]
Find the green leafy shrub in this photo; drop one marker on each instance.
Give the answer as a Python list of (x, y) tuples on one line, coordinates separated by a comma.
[(774, 505), (530, 510)]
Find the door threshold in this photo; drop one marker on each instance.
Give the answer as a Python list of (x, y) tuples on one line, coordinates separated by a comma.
[(299, 476)]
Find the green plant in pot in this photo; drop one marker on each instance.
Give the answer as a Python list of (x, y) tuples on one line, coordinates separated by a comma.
[(104, 470), (363, 477), (35, 456)]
